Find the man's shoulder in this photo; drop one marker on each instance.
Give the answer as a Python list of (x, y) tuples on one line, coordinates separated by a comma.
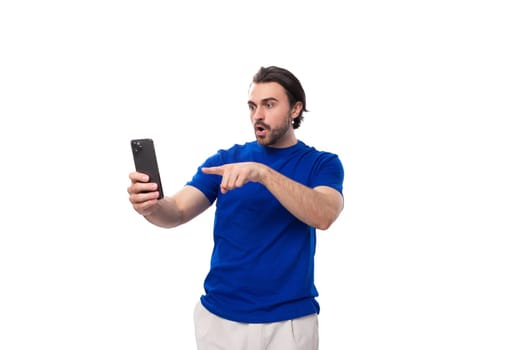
[(239, 147), (315, 151)]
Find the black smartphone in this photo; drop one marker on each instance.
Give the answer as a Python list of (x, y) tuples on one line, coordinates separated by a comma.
[(146, 161)]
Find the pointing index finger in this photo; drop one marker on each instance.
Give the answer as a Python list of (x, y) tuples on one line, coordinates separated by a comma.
[(215, 170)]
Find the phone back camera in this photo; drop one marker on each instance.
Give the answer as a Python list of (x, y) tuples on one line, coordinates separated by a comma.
[(137, 147)]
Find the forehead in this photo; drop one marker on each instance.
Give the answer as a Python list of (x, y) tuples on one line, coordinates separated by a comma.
[(262, 91)]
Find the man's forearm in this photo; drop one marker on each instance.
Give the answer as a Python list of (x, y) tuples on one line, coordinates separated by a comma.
[(165, 214), (316, 207)]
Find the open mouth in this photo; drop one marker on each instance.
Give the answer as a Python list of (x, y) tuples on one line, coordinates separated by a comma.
[(260, 130)]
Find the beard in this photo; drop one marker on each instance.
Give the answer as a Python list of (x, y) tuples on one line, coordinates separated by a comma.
[(272, 136)]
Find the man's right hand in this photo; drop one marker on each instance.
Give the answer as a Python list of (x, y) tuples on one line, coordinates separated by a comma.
[(143, 195)]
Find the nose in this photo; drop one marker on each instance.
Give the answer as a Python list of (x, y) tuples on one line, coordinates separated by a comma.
[(257, 114)]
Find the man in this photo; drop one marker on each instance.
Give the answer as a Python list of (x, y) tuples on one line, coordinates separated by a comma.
[(270, 195)]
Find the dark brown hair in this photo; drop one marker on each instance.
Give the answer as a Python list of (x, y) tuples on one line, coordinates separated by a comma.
[(289, 82)]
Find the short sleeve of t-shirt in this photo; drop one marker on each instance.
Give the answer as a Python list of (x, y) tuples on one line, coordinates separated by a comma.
[(328, 171), (208, 184)]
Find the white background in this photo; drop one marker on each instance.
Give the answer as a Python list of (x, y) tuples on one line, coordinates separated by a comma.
[(423, 101)]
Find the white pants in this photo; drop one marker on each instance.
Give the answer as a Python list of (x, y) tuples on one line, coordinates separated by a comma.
[(215, 333)]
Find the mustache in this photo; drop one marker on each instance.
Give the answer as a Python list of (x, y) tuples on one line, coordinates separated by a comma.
[(261, 125)]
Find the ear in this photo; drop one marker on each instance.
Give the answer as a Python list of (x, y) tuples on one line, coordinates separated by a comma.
[(297, 108)]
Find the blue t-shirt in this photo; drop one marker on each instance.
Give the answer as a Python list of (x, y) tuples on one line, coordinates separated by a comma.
[(262, 264)]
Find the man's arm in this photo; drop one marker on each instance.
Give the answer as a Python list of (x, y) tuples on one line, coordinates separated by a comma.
[(318, 207), (170, 211)]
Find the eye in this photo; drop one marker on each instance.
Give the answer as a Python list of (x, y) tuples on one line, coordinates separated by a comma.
[(251, 107), (269, 104)]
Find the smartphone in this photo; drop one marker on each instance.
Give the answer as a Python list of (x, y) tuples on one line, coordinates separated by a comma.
[(146, 161)]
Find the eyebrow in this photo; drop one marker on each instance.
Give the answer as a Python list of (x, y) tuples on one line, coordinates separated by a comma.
[(264, 100)]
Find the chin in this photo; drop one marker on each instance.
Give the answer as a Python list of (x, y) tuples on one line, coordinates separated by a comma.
[(263, 141)]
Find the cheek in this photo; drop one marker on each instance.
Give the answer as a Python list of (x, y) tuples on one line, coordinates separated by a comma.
[(282, 115)]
